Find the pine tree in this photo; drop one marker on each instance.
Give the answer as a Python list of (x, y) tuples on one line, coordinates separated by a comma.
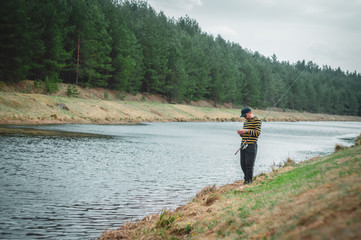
[(15, 41)]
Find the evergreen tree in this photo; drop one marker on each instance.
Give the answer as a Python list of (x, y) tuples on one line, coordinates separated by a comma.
[(94, 43), (125, 53), (15, 41), (48, 18)]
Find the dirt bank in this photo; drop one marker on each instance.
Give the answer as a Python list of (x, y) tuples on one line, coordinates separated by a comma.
[(25, 103)]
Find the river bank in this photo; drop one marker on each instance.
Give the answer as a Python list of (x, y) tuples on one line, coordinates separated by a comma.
[(315, 199), (25, 103)]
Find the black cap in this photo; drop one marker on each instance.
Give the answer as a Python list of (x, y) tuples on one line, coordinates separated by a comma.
[(245, 110)]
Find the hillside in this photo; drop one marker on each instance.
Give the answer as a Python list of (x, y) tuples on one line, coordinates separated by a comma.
[(26, 103), (316, 199)]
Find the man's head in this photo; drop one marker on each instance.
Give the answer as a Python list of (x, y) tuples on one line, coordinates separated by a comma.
[(246, 113)]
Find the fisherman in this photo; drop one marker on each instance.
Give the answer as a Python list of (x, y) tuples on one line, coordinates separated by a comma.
[(250, 132)]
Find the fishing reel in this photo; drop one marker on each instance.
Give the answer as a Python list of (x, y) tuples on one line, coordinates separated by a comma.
[(244, 146)]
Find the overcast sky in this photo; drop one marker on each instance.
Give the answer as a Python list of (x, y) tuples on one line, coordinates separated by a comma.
[(327, 32)]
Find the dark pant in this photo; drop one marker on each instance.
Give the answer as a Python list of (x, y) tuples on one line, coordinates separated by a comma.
[(248, 157)]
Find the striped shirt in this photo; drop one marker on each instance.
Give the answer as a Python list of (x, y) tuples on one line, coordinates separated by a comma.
[(254, 130)]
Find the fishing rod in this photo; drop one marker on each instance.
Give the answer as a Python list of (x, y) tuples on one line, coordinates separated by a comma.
[(284, 94), (244, 146)]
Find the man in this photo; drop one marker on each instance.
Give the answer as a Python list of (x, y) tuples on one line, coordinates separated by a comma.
[(250, 132)]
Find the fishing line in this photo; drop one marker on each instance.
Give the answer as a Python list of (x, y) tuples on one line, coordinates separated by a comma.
[(284, 94), (244, 145)]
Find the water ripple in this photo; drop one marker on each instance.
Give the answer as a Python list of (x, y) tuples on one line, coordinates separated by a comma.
[(67, 187)]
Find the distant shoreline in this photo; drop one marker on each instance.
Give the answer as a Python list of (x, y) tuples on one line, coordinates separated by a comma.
[(48, 122)]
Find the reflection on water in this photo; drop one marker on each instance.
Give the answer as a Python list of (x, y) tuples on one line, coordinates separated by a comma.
[(22, 130), (71, 187)]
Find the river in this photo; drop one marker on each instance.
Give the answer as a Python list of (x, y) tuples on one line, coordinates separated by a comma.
[(74, 187)]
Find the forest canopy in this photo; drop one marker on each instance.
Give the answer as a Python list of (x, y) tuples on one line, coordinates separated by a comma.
[(128, 46)]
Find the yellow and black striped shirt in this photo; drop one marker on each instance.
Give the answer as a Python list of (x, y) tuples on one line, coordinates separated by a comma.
[(254, 130)]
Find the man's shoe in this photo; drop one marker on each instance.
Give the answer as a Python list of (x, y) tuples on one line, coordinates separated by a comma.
[(248, 182)]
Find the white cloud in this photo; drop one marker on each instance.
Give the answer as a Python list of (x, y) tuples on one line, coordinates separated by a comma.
[(328, 31), (175, 5)]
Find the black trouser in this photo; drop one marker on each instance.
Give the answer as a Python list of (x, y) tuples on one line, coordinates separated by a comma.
[(248, 157)]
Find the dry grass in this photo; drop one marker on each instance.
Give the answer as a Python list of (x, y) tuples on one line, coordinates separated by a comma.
[(339, 147), (27, 103), (316, 199)]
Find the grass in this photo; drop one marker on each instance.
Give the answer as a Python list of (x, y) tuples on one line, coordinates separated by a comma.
[(316, 199)]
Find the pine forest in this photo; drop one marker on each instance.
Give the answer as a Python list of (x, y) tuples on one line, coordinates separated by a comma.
[(127, 46)]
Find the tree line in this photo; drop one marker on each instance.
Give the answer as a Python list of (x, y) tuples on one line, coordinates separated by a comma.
[(128, 46)]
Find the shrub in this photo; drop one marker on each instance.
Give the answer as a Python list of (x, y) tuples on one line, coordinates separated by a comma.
[(38, 84), (51, 84), (121, 96), (72, 91), (339, 147), (106, 95)]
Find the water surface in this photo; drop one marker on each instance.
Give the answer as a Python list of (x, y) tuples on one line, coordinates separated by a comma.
[(74, 186)]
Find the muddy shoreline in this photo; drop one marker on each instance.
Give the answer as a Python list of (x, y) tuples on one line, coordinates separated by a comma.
[(47, 133)]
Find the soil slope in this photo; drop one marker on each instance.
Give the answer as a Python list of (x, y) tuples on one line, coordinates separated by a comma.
[(26, 103)]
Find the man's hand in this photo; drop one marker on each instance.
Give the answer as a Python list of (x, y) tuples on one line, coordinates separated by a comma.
[(240, 132)]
